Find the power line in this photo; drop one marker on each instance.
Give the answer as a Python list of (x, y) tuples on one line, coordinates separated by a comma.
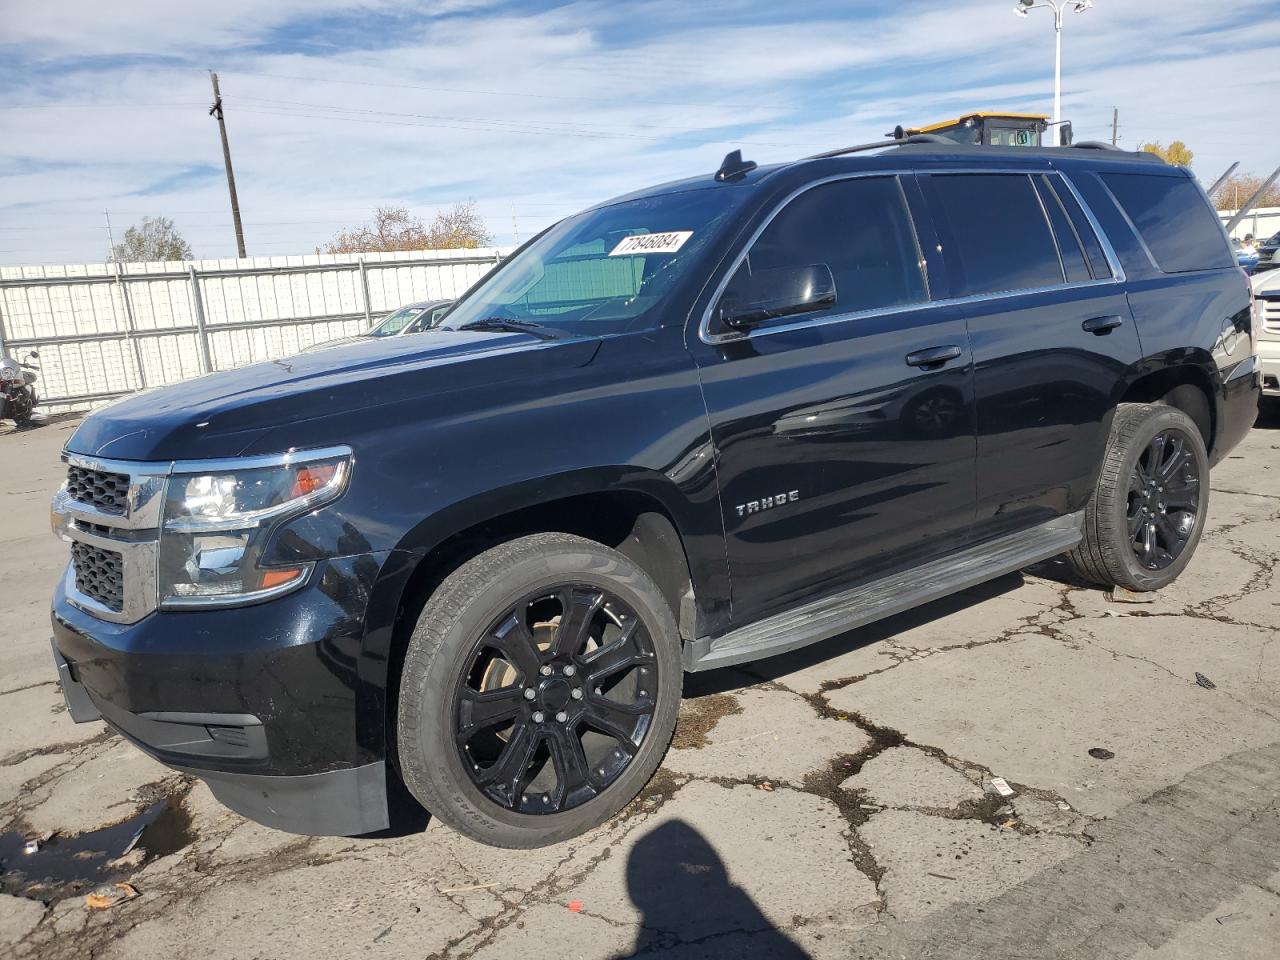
[(468, 119), (496, 93), (461, 123)]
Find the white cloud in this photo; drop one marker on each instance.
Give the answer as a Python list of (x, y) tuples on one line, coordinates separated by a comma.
[(549, 111)]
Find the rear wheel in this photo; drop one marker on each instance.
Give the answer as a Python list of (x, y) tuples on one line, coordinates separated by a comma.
[(21, 408), (1148, 511), (539, 691)]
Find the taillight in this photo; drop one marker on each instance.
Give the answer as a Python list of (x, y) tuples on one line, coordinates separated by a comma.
[(1255, 313)]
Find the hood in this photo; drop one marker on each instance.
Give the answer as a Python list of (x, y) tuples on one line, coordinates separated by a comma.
[(1266, 283), (221, 414)]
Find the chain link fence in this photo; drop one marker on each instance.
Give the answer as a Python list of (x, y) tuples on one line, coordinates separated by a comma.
[(105, 330)]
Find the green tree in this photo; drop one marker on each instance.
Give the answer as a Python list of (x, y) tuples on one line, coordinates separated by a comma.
[(394, 228), (1177, 153), (156, 238)]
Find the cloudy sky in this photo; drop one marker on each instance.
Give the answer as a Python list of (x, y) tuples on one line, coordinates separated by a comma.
[(537, 109)]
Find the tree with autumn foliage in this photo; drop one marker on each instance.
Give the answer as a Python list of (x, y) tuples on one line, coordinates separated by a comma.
[(1177, 153), (1239, 188), (393, 228)]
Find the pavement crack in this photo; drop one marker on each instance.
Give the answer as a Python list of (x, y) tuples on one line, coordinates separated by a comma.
[(29, 686)]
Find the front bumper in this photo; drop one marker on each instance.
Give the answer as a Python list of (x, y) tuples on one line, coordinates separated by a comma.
[(273, 705)]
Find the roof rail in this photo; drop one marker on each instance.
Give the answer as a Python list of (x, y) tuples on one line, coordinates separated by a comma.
[(879, 144), (1097, 145)]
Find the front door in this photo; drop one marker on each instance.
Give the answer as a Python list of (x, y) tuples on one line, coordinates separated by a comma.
[(844, 436)]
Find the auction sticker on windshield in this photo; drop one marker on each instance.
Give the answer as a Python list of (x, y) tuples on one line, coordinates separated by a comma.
[(651, 243)]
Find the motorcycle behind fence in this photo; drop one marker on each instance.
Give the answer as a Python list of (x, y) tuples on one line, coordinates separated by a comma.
[(17, 389)]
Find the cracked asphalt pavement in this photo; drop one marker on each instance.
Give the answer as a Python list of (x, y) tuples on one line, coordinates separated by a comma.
[(833, 802)]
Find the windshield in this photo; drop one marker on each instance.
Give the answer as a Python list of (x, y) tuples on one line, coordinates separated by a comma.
[(394, 322), (430, 318), (603, 271)]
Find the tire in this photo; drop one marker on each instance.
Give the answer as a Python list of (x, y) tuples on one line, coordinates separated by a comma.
[(479, 604), (1108, 555), (21, 409)]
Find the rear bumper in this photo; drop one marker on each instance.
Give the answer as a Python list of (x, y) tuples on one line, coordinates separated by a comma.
[(267, 704), (1237, 407)]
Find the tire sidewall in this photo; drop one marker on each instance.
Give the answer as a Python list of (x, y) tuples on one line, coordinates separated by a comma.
[(434, 756), (1161, 418)]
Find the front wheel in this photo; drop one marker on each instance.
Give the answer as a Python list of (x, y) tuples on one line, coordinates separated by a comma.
[(1149, 508), (539, 691)]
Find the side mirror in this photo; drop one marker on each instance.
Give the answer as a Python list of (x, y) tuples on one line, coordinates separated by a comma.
[(780, 292), (1064, 133)]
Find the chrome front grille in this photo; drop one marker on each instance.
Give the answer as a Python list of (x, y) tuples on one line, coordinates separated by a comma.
[(1270, 314), (99, 574), (105, 491), (109, 511)]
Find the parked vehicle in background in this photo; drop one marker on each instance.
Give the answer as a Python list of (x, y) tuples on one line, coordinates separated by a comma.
[(411, 318), (708, 422), (1266, 287), (1246, 255), (1269, 253), (18, 389)]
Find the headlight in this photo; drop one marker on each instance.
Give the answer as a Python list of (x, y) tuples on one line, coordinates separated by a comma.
[(216, 525)]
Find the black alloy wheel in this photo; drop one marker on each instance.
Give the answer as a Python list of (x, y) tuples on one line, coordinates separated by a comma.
[(539, 690), (1164, 499), (1150, 502), (556, 699)]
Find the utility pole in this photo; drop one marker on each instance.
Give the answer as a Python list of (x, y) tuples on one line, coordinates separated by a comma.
[(216, 111), (111, 241), (1115, 125)]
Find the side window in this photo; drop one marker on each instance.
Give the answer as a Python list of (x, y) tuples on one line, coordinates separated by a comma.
[(1093, 249), (1175, 222), (1073, 261), (994, 233), (860, 229)]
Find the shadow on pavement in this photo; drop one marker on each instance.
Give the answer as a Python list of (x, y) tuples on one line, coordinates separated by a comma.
[(40, 420), (1268, 415), (679, 884)]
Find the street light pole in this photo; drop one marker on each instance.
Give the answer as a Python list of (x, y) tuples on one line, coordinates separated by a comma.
[(1057, 6), (1057, 68)]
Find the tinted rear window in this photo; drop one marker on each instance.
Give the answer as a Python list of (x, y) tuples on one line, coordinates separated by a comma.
[(1073, 260), (1092, 248), (1175, 222), (994, 233)]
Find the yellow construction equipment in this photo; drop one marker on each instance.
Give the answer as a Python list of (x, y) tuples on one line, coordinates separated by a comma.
[(992, 129)]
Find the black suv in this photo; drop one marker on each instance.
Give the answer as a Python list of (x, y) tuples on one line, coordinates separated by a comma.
[(700, 424)]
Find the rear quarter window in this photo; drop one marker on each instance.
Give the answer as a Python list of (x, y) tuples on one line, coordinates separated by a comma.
[(1171, 215)]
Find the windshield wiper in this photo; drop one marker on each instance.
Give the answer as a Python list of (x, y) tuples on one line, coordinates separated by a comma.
[(514, 326)]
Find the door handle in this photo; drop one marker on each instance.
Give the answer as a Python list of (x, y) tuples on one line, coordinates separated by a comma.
[(933, 356), (1099, 326)]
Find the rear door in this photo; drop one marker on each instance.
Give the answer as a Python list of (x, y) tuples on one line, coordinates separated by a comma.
[(840, 451), (1051, 334)]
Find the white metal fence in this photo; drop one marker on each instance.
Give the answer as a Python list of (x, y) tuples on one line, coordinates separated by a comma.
[(103, 330), (1262, 222)]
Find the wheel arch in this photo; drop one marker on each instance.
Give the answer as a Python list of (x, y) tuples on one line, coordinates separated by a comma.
[(629, 512), (1181, 380)]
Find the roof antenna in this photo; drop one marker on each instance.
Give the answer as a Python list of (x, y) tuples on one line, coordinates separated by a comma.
[(734, 167)]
